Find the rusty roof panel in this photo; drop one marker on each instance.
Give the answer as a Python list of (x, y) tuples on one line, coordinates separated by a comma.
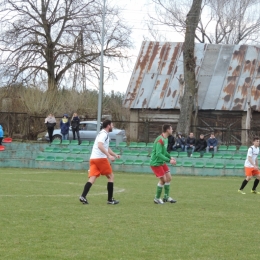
[(226, 75), (159, 90)]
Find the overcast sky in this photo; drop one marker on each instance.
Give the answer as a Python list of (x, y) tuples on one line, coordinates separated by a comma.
[(136, 13)]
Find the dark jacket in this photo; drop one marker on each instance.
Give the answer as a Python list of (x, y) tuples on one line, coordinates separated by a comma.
[(190, 141), (75, 123), (201, 143), (212, 142), (171, 142), (179, 141), (64, 126)]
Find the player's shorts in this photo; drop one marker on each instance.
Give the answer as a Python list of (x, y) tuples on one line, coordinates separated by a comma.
[(99, 166), (160, 171), (251, 171)]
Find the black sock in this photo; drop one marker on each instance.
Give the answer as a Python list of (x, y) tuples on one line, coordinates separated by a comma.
[(110, 188), (244, 183), (255, 184), (86, 189)]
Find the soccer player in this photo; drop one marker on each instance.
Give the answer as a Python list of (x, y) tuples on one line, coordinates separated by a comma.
[(158, 160), (99, 163), (251, 167)]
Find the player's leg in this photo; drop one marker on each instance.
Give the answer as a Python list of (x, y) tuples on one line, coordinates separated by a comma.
[(160, 174), (249, 174), (167, 183), (256, 173)]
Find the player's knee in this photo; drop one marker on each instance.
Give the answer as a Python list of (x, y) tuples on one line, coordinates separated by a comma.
[(110, 177), (169, 178), (248, 178)]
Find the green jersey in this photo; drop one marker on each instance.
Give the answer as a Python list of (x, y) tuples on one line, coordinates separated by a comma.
[(159, 154)]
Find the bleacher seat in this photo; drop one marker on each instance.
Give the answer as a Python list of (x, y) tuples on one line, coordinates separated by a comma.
[(230, 166), (116, 151), (133, 145), (135, 153), (146, 163), (84, 151), (218, 156), (85, 143), (209, 165), (65, 150), (207, 155), (236, 157), (59, 159), (79, 160), (244, 156), (138, 162), (122, 144), (143, 153), (149, 145), (239, 166), (128, 162), (219, 166), (56, 150), (126, 152), (74, 142), (112, 144), (227, 156), (198, 165), (75, 151), (222, 148), (40, 158), (56, 141), (118, 161), (182, 154), (69, 159), (50, 158), (232, 148), (7, 140), (187, 164), (48, 150), (141, 145), (243, 148), (196, 155), (178, 164), (65, 142), (91, 143), (174, 154)]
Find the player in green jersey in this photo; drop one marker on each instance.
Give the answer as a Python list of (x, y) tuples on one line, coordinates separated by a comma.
[(159, 157)]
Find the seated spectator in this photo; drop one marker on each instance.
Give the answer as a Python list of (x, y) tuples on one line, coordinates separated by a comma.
[(212, 143), (171, 142), (190, 143), (179, 142), (201, 144)]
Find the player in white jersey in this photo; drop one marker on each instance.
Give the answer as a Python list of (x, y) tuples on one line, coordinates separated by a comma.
[(251, 167), (99, 163)]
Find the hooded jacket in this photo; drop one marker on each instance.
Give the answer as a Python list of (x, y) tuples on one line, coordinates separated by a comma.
[(201, 143), (1, 131), (64, 125), (212, 142)]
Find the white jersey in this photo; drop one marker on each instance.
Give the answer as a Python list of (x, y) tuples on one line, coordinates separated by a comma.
[(253, 153), (102, 137)]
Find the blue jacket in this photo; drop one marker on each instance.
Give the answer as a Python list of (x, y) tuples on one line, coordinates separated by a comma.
[(212, 142), (1, 131), (64, 125)]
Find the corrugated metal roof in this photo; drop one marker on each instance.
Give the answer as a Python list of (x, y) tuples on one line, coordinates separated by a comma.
[(228, 76)]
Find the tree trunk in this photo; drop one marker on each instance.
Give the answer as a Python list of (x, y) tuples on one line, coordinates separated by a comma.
[(187, 100)]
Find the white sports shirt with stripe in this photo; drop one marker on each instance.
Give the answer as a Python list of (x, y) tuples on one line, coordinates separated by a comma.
[(253, 153), (102, 137)]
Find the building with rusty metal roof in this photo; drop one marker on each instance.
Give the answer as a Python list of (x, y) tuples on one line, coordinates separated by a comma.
[(228, 79)]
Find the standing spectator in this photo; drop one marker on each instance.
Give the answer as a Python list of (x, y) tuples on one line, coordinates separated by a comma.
[(201, 144), (75, 126), (50, 122), (65, 126), (212, 143), (190, 142), (179, 142), (171, 142), (1, 134)]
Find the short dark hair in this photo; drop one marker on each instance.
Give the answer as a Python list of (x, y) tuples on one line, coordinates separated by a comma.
[(212, 133), (166, 127), (106, 123), (255, 138)]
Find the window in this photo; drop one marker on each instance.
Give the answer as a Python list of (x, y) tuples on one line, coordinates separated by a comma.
[(91, 127)]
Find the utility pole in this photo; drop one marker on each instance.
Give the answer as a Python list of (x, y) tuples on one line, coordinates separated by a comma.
[(100, 94)]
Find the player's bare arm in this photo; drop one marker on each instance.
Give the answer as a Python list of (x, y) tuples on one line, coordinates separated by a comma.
[(104, 151), (250, 159), (113, 154), (256, 163)]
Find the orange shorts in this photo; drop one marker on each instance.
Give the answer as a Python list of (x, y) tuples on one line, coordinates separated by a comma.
[(251, 171), (99, 166)]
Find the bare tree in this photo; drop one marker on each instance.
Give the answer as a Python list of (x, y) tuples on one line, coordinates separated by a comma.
[(187, 99), (42, 41), (222, 21)]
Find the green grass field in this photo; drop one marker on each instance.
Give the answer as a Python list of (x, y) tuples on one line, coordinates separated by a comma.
[(41, 218)]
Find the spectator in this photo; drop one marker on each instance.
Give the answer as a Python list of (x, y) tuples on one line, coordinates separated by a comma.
[(171, 142), (65, 126), (75, 126), (201, 144), (50, 122), (1, 134), (179, 143), (190, 143), (212, 143)]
